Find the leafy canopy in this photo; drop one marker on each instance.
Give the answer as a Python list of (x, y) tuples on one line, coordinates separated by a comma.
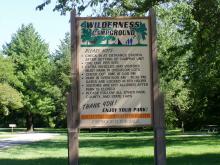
[(10, 98), (30, 56), (104, 7)]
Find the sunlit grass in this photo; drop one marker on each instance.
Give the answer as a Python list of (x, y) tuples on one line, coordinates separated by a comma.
[(117, 148)]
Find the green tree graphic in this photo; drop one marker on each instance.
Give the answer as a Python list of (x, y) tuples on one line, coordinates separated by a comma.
[(86, 35), (108, 38), (97, 40), (140, 32)]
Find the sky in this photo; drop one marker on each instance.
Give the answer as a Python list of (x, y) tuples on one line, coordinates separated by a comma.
[(50, 25)]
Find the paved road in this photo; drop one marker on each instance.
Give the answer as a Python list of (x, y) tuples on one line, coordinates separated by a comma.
[(24, 138)]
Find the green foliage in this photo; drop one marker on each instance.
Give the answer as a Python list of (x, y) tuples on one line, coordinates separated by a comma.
[(30, 56), (173, 56), (7, 71), (204, 64), (62, 65), (10, 98), (105, 7), (60, 76), (189, 61)]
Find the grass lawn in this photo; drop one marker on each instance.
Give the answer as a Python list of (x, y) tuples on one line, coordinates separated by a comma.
[(117, 148), (6, 132)]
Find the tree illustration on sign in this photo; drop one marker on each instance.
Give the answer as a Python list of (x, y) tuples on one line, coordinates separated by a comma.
[(86, 35), (141, 32), (98, 40), (108, 38)]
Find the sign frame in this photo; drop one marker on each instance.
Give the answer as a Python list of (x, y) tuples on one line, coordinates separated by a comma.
[(78, 19), (157, 100)]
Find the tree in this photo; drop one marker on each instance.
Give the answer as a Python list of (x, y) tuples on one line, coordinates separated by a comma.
[(86, 35), (7, 72), (30, 55), (62, 65), (123, 7), (196, 65), (10, 98), (60, 76), (140, 32), (109, 37), (204, 64), (173, 57)]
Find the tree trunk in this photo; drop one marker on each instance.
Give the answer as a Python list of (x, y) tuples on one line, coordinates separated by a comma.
[(29, 122)]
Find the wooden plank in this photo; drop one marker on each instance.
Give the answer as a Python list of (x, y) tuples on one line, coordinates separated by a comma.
[(159, 135), (112, 18), (72, 134), (158, 106), (72, 100)]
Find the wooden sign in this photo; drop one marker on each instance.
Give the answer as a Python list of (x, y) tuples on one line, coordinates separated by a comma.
[(114, 72), (114, 79)]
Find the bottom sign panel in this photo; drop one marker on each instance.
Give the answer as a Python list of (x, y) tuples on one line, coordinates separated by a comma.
[(115, 120)]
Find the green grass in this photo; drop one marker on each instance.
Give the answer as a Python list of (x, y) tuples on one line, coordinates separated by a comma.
[(2, 136), (6, 132), (117, 148)]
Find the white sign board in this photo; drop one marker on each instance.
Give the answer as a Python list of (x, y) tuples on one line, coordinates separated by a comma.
[(114, 67), (12, 125)]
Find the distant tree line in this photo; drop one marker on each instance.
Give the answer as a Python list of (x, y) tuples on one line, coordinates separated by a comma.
[(34, 82)]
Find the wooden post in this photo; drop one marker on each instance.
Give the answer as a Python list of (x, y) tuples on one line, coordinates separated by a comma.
[(158, 103), (72, 99)]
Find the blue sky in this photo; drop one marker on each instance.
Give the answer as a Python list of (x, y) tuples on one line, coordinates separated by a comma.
[(50, 25)]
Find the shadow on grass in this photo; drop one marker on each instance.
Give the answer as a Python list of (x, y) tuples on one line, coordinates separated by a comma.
[(205, 159), (89, 143), (15, 130), (202, 159), (51, 144), (50, 130), (138, 141), (46, 144), (190, 141), (117, 134), (40, 161), (115, 143), (106, 142)]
